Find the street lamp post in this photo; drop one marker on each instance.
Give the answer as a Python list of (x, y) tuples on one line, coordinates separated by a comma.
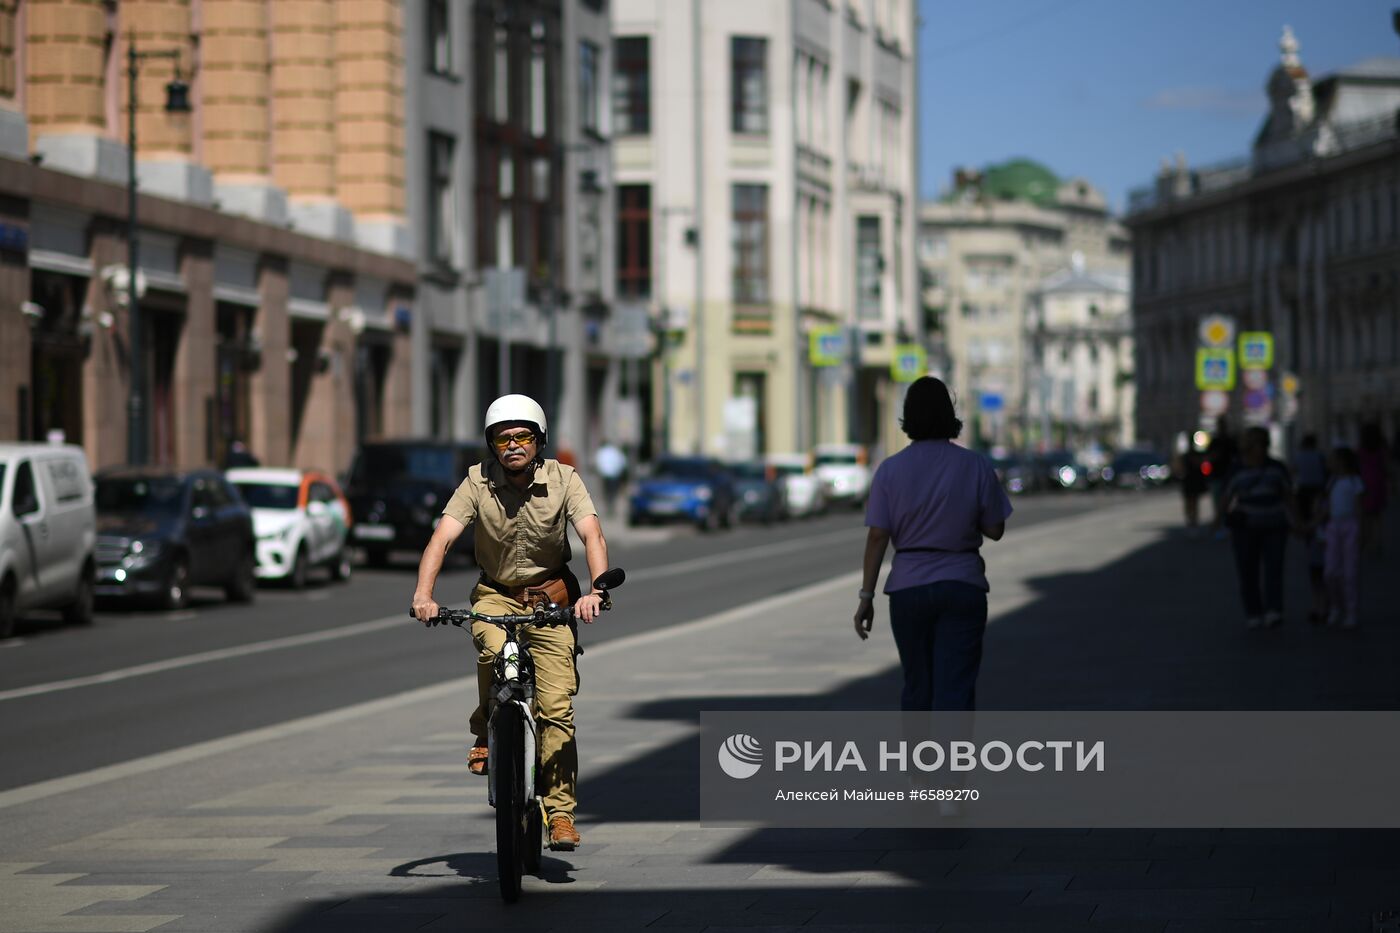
[(176, 101)]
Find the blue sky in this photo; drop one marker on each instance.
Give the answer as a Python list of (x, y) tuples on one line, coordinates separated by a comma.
[(1106, 88)]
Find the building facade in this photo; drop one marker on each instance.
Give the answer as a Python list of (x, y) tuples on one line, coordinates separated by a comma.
[(1301, 239), (1024, 280), (765, 187), (506, 129), (274, 291)]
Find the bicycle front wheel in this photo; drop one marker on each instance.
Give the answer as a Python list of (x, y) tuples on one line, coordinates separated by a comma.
[(508, 767)]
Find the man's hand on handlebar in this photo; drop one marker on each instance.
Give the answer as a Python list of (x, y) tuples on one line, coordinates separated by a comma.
[(425, 609), (587, 607)]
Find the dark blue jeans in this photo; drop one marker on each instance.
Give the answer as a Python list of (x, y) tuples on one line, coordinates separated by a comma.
[(938, 629)]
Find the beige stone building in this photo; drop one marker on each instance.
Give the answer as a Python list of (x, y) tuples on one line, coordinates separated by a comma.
[(276, 292), (764, 164), (1013, 259), (1300, 238)]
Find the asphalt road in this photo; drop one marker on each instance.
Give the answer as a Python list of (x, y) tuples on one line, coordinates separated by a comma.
[(136, 683)]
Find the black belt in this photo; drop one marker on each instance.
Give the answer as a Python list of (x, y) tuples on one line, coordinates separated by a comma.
[(936, 550)]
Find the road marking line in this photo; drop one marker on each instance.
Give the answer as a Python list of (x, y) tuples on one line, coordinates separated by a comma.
[(43, 789)]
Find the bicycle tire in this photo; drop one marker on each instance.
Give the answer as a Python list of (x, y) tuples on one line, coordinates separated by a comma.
[(510, 804), (534, 837)]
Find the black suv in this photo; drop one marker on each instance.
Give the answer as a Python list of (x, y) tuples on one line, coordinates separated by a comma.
[(397, 490), (161, 531)]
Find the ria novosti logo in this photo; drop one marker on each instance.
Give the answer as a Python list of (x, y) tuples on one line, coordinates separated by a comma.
[(740, 756)]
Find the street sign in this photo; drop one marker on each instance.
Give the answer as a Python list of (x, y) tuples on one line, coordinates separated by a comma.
[(1256, 349), (1258, 407), (1255, 378), (505, 300), (631, 331), (991, 401), (1217, 330), (909, 363), (1215, 369), (1215, 403), (827, 346)]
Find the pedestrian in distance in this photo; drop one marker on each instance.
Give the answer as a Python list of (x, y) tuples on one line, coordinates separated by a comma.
[(520, 505), (611, 463), (1309, 475), (1193, 486), (1374, 470), (936, 502), (1341, 513), (1221, 458), (1259, 511)]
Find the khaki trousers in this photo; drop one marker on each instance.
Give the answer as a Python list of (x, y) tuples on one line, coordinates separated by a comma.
[(556, 683)]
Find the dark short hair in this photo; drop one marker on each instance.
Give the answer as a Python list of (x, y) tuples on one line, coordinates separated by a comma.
[(1348, 459), (928, 411), (1309, 441)]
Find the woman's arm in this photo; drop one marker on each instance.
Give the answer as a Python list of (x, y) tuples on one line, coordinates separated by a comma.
[(994, 531), (876, 541)]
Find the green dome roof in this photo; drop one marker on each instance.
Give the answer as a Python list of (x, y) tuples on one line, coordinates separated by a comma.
[(1020, 180)]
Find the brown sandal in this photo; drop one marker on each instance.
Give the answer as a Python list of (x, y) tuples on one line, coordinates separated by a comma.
[(476, 760)]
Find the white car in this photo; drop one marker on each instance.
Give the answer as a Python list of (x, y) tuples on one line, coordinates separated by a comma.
[(301, 521), (844, 471), (802, 491), (48, 530)]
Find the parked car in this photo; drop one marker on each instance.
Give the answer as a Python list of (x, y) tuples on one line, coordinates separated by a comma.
[(757, 491), (1060, 470), (397, 490), (1016, 474), (47, 533), (161, 531), (844, 471), (693, 489), (1138, 469), (802, 491), (301, 520)]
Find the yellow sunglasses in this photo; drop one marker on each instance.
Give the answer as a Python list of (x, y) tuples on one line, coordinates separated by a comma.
[(505, 440)]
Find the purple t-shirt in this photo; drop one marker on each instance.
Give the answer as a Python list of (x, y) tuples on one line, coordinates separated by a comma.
[(935, 496)]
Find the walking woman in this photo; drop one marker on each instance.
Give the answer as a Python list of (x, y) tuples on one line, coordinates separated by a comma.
[(936, 501), (1259, 512)]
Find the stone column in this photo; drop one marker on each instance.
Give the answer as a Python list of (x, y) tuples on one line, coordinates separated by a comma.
[(66, 92), (370, 122), (14, 325), (106, 371), (14, 131), (196, 366), (272, 383), (236, 120), (327, 438), (303, 115)]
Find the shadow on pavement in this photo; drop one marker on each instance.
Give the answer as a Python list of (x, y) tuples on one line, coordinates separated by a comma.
[(1158, 629)]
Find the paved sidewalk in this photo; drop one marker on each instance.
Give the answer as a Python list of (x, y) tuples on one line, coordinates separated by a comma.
[(370, 824)]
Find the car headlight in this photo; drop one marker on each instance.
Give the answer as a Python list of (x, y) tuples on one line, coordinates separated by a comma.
[(704, 493), (1068, 475), (141, 553)]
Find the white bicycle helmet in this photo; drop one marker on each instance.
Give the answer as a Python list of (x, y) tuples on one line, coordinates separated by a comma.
[(517, 408)]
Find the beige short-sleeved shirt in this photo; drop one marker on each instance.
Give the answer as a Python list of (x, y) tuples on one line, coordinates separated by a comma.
[(521, 535)]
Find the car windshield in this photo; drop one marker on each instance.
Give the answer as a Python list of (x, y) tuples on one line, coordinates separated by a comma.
[(790, 469), (381, 466), (749, 470), (139, 495), (838, 459), (683, 469), (268, 495)]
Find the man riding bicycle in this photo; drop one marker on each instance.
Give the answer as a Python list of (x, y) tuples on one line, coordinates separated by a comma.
[(521, 504)]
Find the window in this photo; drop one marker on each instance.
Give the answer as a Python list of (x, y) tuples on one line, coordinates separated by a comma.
[(588, 87), (439, 37), (24, 500), (633, 241), (500, 74), (869, 265), (442, 200), (749, 85), (539, 81), (750, 233), (631, 89)]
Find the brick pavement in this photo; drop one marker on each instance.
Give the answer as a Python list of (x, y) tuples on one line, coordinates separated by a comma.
[(370, 824)]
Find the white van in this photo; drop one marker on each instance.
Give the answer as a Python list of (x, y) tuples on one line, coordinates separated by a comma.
[(47, 532)]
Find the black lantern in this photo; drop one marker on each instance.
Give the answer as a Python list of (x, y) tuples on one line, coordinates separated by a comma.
[(177, 95)]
